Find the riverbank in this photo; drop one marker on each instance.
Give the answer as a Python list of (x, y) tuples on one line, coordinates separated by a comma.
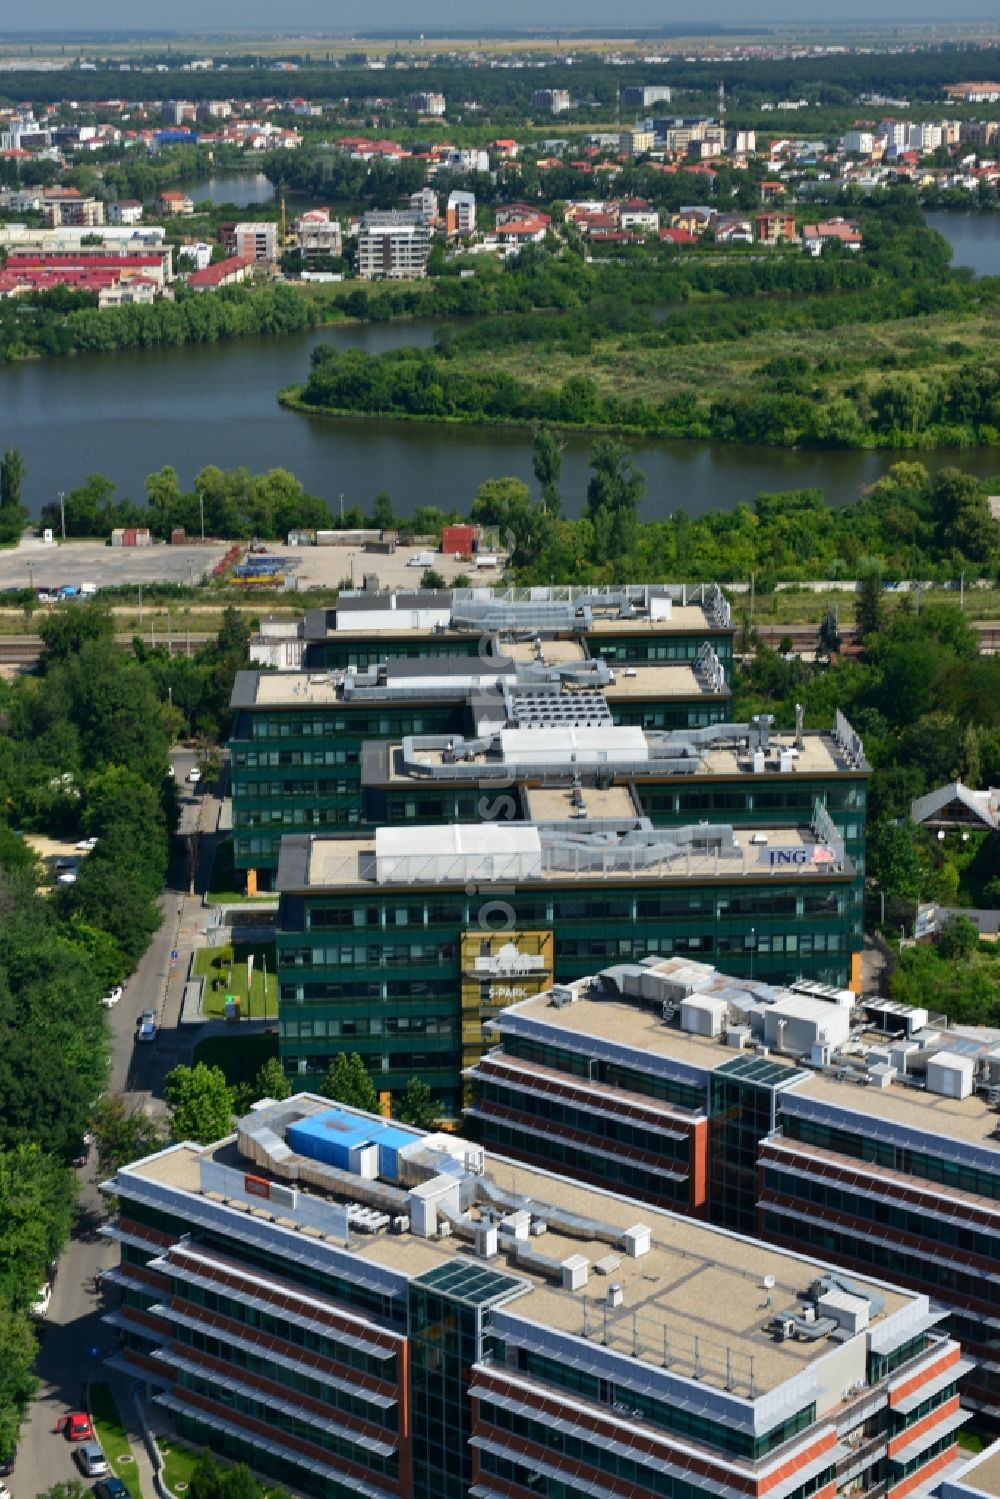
[(923, 382)]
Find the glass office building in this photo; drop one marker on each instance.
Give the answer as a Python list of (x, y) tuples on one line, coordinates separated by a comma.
[(361, 1309)]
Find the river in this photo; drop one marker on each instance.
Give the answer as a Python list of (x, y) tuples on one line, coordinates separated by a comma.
[(243, 189), (974, 237), (129, 413)]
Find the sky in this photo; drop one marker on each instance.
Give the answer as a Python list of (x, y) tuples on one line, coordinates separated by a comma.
[(346, 14)]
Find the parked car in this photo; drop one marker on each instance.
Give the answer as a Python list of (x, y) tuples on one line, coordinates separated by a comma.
[(4, 1491), (83, 1151), (194, 775), (7, 1463), (86, 845), (112, 997), (76, 1427), (93, 1463), (111, 1488), (40, 1306), (67, 878)]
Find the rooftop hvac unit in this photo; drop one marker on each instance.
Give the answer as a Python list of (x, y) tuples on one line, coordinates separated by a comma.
[(616, 1296)]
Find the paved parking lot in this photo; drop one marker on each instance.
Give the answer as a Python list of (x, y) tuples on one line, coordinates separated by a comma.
[(328, 567), (76, 562)]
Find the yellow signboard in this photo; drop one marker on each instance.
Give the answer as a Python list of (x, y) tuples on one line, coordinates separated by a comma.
[(499, 969)]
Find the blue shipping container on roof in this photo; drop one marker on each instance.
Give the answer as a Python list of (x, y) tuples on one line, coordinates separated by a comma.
[(331, 1136)]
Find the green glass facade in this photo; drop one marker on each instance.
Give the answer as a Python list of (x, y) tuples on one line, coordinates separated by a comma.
[(744, 1107), (654, 647), (336, 652), (377, 970), (299, 769), (449, 1320)]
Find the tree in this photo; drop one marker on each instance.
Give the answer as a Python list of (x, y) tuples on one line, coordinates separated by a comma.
[(65, 632), (894, 862), (546, 463), (122, 1134), (431, 578), (416, 1106), (200, 1102), (347, 1081), (383, 514), (37, 1196), (613, 496), (18, 1351), (212, 1480), (271, 1081), (870, 610), (958, 938), (13, 513), (506, 504), (828, 640)]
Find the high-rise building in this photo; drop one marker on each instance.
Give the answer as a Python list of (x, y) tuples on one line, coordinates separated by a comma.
[(355, 1307)]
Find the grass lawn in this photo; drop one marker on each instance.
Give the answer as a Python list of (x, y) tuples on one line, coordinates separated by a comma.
[(240, 1054), (254, 1005), (111, 1434), (178, 1463)]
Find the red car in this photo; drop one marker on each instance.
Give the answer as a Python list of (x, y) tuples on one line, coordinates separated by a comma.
[(76, 1427)]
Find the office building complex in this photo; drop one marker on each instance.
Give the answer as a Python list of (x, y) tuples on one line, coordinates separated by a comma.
[(402, 944), (384, 666), (357, 1308), (393, 245), (862, 1130), (644, 95)]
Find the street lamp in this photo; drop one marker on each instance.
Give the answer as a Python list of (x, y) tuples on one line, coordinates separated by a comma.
[(201, 503), (62, 513), (31, 577), (753, 944)]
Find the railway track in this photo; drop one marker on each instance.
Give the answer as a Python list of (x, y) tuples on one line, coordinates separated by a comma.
[(24, 650)]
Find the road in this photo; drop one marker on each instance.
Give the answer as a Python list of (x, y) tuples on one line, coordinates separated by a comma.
[(73, 1338)]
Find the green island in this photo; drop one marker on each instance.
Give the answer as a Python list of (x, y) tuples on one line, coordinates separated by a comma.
[(891, 350)]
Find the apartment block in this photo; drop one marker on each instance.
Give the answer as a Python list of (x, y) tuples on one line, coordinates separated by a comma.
[(461, 213), (554, 100), (859, 1129), (427, 104), (393, 245), (257, 242), (404, 944), (318, 235), (68, 206), (354, 1307), (636, 142)]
